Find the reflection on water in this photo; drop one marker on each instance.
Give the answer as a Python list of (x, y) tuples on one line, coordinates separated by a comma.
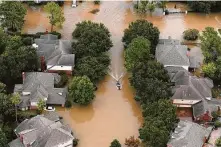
[(113, 113)]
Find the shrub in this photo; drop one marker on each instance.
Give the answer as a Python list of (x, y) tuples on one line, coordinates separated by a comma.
[(132, 142), (214, 115), (218, 142), (22, 115), (97, 2), (215, 93), (191, 34), (63, 81), (217, 124), (115, 143), (94, 11), (38, 34), (27, 40), (68, 103), (75, 142)]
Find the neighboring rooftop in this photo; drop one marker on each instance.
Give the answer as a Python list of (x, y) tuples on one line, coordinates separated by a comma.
[(189, 134), (38, 85), (170, 52), (39, 131), (54, 51)]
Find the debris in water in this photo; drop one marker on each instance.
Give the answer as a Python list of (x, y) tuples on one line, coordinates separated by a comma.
[(94, 11)]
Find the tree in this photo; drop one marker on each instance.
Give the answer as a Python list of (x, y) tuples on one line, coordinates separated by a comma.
[(81, 90), (15, 99), (13, 14), (151, 81), (142, 7), (210, 70), (202, 6), (210, 44), (2, 87), (3, 40), (163, 109), (3, 139), (163, 5), (142, 28), (93, 67), (218, 142), (17, 58), (41, 105), (56, 15), (6, 108), (93, 39), (132, 142), (154, 133), (97, 2), (151, 7), (191, 34), (138, 50), (115, 143)]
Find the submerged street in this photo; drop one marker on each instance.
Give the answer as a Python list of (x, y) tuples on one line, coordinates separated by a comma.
[(113, 113)]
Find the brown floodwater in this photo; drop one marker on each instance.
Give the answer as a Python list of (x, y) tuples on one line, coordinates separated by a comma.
[(113, 113)]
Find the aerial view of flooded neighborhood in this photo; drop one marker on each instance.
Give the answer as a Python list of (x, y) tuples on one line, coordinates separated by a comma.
[(99, 73)]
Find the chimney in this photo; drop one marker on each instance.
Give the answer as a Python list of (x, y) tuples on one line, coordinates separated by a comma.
[(188, 53), (23, 76), (42, 63)]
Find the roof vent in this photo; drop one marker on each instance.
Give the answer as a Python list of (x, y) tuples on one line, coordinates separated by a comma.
[(178, 126), (176, 132), (173, 137), (60, 93)]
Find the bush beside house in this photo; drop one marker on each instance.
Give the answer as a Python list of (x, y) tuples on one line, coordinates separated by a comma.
[(191, 34)]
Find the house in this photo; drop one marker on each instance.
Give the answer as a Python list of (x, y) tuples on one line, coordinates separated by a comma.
[(39, 85), (55, 55), (43, 131), (170, 52), (193, 96), (189, 134)]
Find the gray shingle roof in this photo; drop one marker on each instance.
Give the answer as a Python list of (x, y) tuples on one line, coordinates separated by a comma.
[(41, 85), (189, 134), (172, 53), (39, 131), (49, 37), (56, 52), (16, 143)]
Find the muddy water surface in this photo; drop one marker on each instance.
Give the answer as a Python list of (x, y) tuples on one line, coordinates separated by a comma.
[(113, 113)]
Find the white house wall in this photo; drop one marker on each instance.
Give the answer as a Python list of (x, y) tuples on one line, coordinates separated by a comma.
[(67, 68)]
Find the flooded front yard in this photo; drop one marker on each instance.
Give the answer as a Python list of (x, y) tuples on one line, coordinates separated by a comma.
[(113, 113)]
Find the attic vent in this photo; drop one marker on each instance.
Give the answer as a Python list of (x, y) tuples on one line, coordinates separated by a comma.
[(175, 132), (178, 126), (60, 93), (173, 137)]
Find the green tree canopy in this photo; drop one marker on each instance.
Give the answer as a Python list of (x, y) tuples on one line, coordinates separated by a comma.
[(142, 28), (6, 108), (115, 143), (3, 41), (41, 105), (93, 39), (93, 67), (81, 90), (210, 44), (151, 81), (13, 15), (56, 15), (3, 139), (203, 6), (17, 58), (159, 120), (138, 50), (218, 142), (154, 133)]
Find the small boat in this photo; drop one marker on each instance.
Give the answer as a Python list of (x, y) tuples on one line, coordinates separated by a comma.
[(118, 85)]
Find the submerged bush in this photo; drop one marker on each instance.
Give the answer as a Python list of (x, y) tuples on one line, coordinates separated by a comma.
[(68, 104), (191, 34), (27, 40)]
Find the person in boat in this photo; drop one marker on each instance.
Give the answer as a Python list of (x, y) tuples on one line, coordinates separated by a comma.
[(118, 85)]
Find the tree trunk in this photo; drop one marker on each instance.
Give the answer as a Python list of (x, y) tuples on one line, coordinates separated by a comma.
[(52, 28)]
